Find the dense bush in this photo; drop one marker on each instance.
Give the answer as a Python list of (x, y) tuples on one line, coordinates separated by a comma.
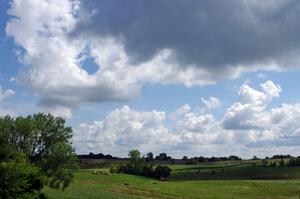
[(162, 172), (19, 179)]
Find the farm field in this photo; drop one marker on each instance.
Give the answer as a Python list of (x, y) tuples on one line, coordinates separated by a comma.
[(188, 181)]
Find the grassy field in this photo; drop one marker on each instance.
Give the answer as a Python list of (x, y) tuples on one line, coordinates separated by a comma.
[(210, 181)]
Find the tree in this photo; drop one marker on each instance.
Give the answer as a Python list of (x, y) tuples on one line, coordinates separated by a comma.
[(40, 145), (163, 156), (135, 156), (136, 162), (255, 158), (149, 157)]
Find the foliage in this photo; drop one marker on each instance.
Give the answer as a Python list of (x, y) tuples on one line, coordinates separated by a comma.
[(96, 156), (114, 168), (163, 157), (35, 151), (149, 157), (294, 162), (139, 166), (281, 157), (273, 164), (19, 179), (148, 170), (162, 172), (282, 163), (264, 163), (191, 162), (135, 160)]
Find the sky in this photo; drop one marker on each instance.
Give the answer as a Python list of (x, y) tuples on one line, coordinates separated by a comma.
[(195, 78)]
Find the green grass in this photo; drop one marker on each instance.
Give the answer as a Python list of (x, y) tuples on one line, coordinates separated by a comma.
[(237, 182), (238, 171)]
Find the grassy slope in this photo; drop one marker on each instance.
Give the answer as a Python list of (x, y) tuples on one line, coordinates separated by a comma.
[(242, 172), (185, 182)]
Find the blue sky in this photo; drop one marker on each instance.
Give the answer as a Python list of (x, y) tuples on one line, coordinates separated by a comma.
[(137, 80)]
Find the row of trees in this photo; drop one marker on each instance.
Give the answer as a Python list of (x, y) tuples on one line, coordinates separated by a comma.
[(291, 162), (280, 157), (195, 160), (97, 156), (35, 151), (274, 157), (164, 157), (161, 157), (138, 165)]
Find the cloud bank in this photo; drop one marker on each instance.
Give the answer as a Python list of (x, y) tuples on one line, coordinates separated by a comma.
[(138, 42), (212, 35), (248, 127)]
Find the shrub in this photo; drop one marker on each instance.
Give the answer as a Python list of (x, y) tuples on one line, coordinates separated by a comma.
[(114, 168), (162, 172), (19, 179), (148, 171)]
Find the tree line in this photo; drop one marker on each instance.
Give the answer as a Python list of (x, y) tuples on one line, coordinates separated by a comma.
[(97, 156), (163, 157), (283, 162)]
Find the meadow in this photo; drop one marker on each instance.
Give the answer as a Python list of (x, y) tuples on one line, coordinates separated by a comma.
[(222, 180)]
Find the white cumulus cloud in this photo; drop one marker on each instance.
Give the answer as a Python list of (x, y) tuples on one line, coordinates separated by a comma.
[(211, 103), (6, 110), (248, 126), (57, 37)]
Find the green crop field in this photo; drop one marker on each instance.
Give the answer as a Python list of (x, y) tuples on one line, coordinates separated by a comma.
[(207, 181)]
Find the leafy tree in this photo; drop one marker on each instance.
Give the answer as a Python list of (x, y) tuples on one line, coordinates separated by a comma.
[(163, 156), (136, 162), (35, 150), (135, 156), (184, 158), (149, 157)]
